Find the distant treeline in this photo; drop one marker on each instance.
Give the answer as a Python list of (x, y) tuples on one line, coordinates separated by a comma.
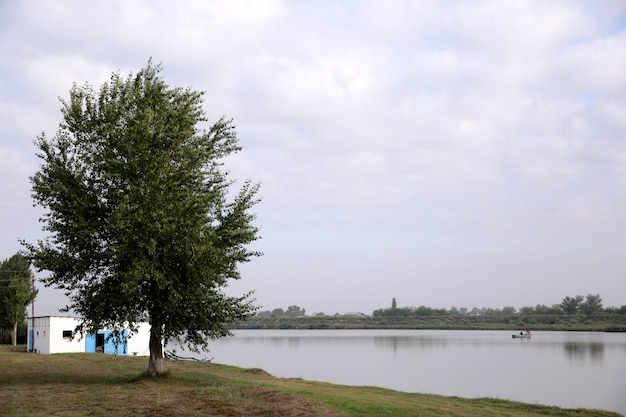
[(589, 305), (573, 313), (292, 311), (602, 322)]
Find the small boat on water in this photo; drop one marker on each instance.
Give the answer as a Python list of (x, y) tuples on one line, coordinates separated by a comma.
[(522, 335)]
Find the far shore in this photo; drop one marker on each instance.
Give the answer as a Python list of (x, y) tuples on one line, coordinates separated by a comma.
[(600, 323)]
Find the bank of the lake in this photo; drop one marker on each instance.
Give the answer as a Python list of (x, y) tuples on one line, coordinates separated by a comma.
[(578, 322), (563, 369), (103, 385)]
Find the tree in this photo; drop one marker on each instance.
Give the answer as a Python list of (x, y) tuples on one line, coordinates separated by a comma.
[(508, 311), (571, 305), (394, 304), (592, 304), (294, 311), (278, 312), (527, 310), (138, 211), (424, 311), (16, 292)]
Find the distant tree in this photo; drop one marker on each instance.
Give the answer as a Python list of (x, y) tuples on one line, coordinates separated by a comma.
[(140, 213), (16, 292), (391, 312), (404, 311), (571, 305), (527, 310), (491, 311), (454, 311), (394, 304), (424, 311), (19, 294), (508, 311), (556, 309), (545, 310), (294, 311), (592, 304), (278, 312)]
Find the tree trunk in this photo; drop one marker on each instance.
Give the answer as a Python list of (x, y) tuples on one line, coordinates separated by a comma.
[(14, 335), (156, 366)]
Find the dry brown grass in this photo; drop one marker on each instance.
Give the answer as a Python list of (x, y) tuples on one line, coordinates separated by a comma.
[(103, 385)]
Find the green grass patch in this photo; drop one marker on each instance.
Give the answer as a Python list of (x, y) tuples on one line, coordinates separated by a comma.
[(82, 384)]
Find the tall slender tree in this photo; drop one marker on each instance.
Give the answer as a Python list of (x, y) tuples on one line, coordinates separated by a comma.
[(138, 213), (16, 292)]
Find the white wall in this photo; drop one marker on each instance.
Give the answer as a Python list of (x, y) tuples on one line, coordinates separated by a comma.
[(48, 336), (140, 342), (57, 343)]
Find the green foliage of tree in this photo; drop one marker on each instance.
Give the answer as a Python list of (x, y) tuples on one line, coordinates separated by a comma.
[(138, 212), (16, 292), (542, 309), (292, 311), (425, 311), (616, 310), (571, 305), (527, 310), (591, 305), (295, 311), (508, 310), (398, 311)]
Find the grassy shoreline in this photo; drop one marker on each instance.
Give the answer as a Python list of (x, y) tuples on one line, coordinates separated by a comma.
[(103, 385)]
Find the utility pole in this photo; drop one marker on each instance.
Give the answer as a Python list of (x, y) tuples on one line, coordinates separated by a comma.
[(32, 314)]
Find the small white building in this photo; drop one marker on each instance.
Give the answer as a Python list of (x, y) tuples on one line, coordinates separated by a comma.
[(53, 334)]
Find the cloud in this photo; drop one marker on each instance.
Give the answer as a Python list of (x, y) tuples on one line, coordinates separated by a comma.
[(419, 140)]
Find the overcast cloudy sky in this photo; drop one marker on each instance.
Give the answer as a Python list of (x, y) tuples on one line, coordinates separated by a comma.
[(446, 153)]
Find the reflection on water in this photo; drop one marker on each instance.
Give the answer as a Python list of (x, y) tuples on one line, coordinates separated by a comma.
[(567, 369), (582, 351), (408, 342)]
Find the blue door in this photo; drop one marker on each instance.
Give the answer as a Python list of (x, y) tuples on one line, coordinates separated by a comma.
[(90, 343), (98, 343)]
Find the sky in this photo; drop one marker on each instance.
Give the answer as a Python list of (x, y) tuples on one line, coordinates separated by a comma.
[(443, 153)]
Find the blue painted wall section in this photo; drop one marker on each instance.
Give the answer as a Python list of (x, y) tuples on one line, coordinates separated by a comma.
[(90, 343), (109, 345), (30, 339)]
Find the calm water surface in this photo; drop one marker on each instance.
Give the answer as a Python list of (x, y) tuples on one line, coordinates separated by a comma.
[(567, 369)]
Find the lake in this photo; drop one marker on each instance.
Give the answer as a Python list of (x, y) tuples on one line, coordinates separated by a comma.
[(566, 369)]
